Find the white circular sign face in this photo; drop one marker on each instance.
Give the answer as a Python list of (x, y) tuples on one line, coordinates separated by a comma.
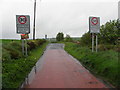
[(22, 19), (94, 21)]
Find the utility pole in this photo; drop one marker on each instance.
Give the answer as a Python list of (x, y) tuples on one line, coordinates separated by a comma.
[(34, 20)]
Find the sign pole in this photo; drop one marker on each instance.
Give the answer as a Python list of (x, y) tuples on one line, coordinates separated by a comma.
[(92, 42), (34, 20), (26, 47), (23, 46), (96, 42)]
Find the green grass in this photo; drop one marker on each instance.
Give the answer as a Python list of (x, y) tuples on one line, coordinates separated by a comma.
[(104, 63), (15, 70), (8, 40)]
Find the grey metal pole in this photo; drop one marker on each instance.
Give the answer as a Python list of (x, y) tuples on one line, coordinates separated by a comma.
[(92, 42), (34, 20), (26, 47), (96, 42), (23, 46)]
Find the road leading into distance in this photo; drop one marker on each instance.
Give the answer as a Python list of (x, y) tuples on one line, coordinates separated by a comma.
[(60, 70)]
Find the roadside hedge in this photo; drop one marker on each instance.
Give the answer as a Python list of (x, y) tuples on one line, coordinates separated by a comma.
[(13, 50)]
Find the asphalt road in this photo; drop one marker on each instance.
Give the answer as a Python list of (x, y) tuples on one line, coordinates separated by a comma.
[(60, 70)]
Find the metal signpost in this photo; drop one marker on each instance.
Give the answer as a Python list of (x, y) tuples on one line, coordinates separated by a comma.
[(34, 20), (119, 10), (24, 36), (23, 28), (94, 28)]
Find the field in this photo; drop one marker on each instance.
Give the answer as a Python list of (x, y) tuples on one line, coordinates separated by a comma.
[(15, 66), (103, 64)]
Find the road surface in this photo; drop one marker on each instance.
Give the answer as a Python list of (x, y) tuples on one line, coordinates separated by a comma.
[(60, 70)]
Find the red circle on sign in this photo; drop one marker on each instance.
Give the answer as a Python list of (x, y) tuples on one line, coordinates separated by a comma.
[(94, 18), (21, 21)]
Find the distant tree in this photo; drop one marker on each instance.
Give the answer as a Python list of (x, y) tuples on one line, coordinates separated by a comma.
[(60, 36), (68, 38)]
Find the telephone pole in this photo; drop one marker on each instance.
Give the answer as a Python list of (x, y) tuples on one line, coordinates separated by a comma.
[(34, 20)]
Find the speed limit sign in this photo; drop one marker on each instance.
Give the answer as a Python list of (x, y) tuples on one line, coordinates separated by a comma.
[(94, 24)]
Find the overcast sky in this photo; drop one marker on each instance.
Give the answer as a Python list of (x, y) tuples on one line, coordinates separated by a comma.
[(53, 16)]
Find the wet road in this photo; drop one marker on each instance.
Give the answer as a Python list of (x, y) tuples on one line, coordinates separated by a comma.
[(60, 70)]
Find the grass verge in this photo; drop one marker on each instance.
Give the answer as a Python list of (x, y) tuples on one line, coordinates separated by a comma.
[(104, 63), (15, 71)]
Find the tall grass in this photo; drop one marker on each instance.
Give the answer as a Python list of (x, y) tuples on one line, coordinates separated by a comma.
[(103, 63), (15, 70)]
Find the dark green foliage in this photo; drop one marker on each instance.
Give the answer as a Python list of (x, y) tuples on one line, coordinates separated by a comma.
[(40, 41), (5, 55), (110, 32), (103, 47), (86, 39), (32, 44), (60, 36), (104, 63), (13, 49)]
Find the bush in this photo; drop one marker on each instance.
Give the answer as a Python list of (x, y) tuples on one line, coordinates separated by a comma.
[(109, 32), (16, 45), (13, 49), (32, 44), (102, 47), (5, 55), (86, 39), (40, 41)]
